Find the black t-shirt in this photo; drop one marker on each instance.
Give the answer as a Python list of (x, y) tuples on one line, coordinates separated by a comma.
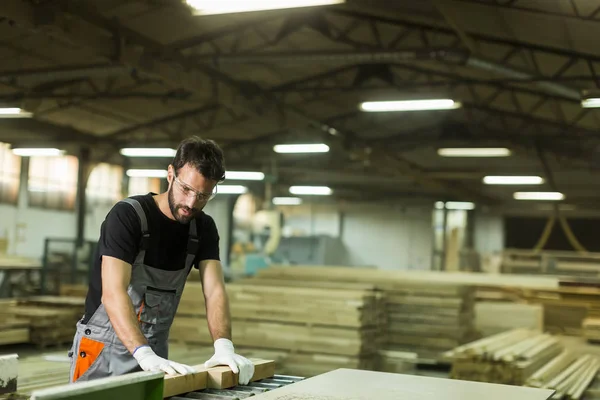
[(120, 237)]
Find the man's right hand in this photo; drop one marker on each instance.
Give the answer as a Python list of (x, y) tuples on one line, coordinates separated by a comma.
[(149, 361)]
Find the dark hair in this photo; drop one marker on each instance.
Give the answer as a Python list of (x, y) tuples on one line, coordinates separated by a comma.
[(204, 155)]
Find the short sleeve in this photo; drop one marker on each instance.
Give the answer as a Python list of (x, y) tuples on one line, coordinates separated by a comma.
[(120, 233), (209, 240)]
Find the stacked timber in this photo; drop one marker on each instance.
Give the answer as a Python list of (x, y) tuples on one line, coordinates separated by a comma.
[(12, 330), (51, 319), (508, 358), (428, 319), (565, 308), (316, 329), (591, 329), (427, 313), (525, 357)]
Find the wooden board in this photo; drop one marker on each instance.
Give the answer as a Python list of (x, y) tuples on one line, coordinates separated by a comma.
[(178, 384), (221, 377), (344, 384)]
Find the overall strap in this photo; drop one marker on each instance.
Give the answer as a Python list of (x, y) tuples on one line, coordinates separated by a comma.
[(192, 245), (145, 242)]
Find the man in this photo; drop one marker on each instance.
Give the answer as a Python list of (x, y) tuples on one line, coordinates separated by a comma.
[(148, 245)]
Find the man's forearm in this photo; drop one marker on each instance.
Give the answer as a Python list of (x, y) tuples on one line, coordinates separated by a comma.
[(218, 315), (123, 319)]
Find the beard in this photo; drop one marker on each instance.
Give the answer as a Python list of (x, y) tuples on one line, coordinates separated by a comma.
[(184, 219)]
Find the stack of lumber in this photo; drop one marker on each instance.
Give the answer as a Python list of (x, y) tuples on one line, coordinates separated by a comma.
[(508, 358), (591, 329), (565, 308), (50, 319), (12, 330), (527, 358), (570, 374), (317, 328), (427, 312), (428, 319)]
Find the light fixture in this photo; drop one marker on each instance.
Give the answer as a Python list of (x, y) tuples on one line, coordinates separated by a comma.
[(513, 180), (37, 152), (310, 190), (287, 201), (538, 196), (409, 105), (455, 205), (592, 102), (301, 148), (244, 175), (209, 7), (474, 152), (231, 189), (147, 173), (14, 112), (148, 152)]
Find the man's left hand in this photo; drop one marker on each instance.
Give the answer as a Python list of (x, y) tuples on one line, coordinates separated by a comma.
[(225, 355)]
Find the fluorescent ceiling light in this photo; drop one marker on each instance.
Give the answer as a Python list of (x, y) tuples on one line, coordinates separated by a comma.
[(244, 175), (301, 148), (538, 196), (513, 180), (474, 152), (455, 205), (39, 152), (409, 105), (231, 189), (147, 173), (310, 190), (13, 112), (208, 7), (148, 152), (287, 201), (593, 102)]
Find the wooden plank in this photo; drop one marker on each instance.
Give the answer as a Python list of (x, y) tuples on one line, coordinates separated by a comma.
[(356, 384), (178, 384), (223, 377)]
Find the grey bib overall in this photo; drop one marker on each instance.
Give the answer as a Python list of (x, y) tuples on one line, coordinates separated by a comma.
[(97, 352)]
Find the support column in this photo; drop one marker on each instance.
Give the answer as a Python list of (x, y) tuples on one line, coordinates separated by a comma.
[(85, 168)]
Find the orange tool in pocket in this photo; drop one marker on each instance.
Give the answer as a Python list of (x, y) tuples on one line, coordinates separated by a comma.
[(88, 353)]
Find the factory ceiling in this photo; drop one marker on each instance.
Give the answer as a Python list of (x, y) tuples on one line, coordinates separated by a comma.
[(130, 73)]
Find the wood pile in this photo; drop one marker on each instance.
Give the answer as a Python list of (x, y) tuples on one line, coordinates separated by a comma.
[(508, 358), (591, 329), (565, 308), (319, 328), (427, 313), (428, 319), (526, 357), (41, 320)]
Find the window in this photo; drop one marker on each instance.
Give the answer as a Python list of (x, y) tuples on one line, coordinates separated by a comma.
[(52, 182), (104, 185), (143, 185), (10, 172)]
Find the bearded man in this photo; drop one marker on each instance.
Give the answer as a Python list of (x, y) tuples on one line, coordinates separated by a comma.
[(148, 245)]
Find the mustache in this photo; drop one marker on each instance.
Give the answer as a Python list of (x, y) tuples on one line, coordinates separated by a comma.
[(186, 208)]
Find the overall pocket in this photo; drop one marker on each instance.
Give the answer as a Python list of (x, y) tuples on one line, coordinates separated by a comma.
[(87, 357), (158, 306)]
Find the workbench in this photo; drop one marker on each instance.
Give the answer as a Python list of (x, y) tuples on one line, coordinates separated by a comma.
[(340, 384)]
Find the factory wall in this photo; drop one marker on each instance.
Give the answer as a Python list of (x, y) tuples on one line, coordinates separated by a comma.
[(381, 236), (27, 227)]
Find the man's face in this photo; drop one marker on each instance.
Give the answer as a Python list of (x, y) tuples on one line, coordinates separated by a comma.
[(188, 193)]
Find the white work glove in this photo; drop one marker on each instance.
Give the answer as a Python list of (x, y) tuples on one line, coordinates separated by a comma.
[(225, 355), (149, 361)]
